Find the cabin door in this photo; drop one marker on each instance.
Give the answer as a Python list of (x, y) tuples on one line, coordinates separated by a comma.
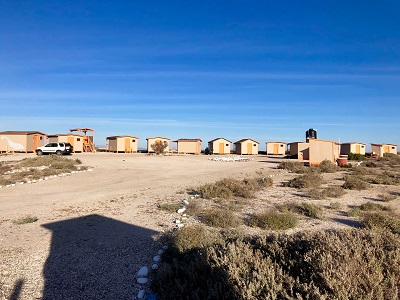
[(35, 142), (221, 148), (127, 145), (249, 148), (276, 149), (71, 140), (386, 149), (358, 149)]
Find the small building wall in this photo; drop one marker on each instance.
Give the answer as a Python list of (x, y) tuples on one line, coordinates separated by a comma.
[(275, 148), (158, 139), (220, 146), (300, 149), (189, 146), (21, 141), (246, 146), (76, 140), (380, 149), (356, 148), (122, 144), (320, 150)]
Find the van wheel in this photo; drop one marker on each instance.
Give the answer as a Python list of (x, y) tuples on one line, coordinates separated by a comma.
[(58, 152), (39, 152)]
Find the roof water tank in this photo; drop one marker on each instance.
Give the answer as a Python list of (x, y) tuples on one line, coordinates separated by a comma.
[(311, 133)]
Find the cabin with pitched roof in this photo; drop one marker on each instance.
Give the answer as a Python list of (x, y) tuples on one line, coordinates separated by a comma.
[(220, 146), (188, 146), (122, 144), (275, 148), (246, 146), (156, 140), (380, 149), (352, 147), (76, 140)]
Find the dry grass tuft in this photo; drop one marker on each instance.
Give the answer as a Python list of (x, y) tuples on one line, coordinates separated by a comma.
[(311, 180), (355, 182), (26, 220), (273, 221), (333, 191), (222, 218)]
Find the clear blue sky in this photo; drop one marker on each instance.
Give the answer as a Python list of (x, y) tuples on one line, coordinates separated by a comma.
[(268, 70)]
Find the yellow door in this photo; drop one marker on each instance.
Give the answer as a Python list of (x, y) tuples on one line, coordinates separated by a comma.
[(221, 148), (358, 149), (127, 145), (249, 148), (386, 149), (71, 140), (276, 149)]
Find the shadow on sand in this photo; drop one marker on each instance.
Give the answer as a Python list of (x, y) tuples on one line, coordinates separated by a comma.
[(92, 257)]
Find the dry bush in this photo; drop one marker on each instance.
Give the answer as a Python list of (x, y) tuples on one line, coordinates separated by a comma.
[(289, 207), (306, 181), (47, 160), (293, 166), (371, 206), (344, 264), (5, 181), (26, 220), (333, 191), (371, 164), (363, 171), (354, 212), (193, 208), (273, 220), (327, 166), (228, 187), (335, 205), (386, 197), (171, 207), (222, 218), (386, 178), (381, 221), (311, 210), (354, 182)]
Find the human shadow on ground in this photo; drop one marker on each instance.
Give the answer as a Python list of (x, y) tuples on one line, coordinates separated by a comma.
[(93, 257), (17, 289)]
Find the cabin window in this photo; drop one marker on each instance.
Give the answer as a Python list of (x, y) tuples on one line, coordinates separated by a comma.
[(254, 145), (133, 141), (227, 145), (393, 148), (281, 145), (41, 138), (362, 146), (78, 139)]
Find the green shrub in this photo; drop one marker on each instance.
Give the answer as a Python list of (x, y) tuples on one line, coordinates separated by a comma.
[(311, 210), (327, 166), (355, 183), (26, 220), (333, 191), (386, 197), (335, 205), (357, 157), (171, 207), (219, 218), (386, 178), (370, 206), (354, 212), (381, 221), (273, 221), (306, 181)]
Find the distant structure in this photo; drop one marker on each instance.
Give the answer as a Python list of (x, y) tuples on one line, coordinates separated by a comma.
[(122, 144), (88, 140), (311, 134), (190, 146), (380, 149), (21, 141), (220, 146)]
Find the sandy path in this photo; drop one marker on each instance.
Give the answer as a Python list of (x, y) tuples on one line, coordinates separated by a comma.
[(106, 218)]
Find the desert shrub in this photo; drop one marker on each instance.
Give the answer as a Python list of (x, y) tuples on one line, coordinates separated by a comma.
[(5, 181), (311, 210), (26, 220), (333, 191), (300, 266), (293, 166), (159, 147), (327, 166), (193, 207), (47, 160), (355, 183), (386, 197), (289, 207), (306, 181), (228, 187), (273, 221), (371, 164), (381, 221), (171, 207), (219, 218), (357, 157), (354, 212), (386, 178), (370, 206), (335, 205), (363, 171)]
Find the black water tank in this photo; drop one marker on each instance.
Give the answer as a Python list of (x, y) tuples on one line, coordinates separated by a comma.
[(311, 133)]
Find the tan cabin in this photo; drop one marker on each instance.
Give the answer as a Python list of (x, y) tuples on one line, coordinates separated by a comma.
[(246, 146), (88, 138), (157, 139), (380, 149), (320, 150), (21, 141), (298, 150), (76, 140), (189, 146), (220, 146), (353, 147), (122, 144), (275, 148)]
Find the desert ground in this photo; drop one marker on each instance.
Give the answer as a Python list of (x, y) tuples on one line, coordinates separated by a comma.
[(96, 229)]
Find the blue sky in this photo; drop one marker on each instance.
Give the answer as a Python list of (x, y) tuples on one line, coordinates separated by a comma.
[(267, 70)]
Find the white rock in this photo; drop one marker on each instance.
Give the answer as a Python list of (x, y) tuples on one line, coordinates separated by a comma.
[(143, 272), (185, 202), (177, 221), (180, 225), (157, 258), (184, 218), (184, 215), (154, 266), (181, 210), (40, 179), (192, 197), (142, 280), (140, 295)]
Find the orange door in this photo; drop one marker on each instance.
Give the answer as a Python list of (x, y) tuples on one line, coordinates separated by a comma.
[(358, 149), (249, 148), (71, 140), (276, 149), (221, 148), (35, 142), (386, 149), (127, 145)]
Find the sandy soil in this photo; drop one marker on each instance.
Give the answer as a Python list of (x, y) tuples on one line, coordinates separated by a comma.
[(96, 229)]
